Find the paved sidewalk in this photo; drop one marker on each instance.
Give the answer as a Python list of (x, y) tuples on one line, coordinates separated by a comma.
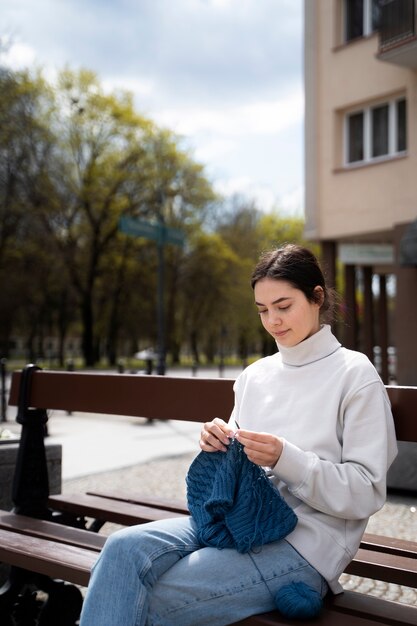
[(95, 443)]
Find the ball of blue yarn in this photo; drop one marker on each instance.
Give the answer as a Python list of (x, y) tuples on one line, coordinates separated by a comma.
[(298, 600)]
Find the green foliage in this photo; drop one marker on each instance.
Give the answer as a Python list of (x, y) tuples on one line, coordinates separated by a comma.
[(276, 230)]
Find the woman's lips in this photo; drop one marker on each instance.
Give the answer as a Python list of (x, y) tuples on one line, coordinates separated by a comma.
[(280, 333)]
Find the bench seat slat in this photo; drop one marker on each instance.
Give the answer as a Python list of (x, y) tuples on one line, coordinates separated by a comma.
[(327, 618), (392, 545), (354, 603), (169, 504), (385, 567), (347, 609), (111, 511), (51, 558), (52, 531), (396, 566)]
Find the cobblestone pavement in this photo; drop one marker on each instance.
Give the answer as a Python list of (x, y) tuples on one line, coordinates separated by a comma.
[(165, 477)]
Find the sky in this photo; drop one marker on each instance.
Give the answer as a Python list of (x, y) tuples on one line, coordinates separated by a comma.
[(225, 75)]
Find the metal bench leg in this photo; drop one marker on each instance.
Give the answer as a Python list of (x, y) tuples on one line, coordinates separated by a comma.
[(21, 604), (30, 482), (63, 605)]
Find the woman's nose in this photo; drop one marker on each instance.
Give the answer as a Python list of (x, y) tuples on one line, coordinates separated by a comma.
[(276, 319)]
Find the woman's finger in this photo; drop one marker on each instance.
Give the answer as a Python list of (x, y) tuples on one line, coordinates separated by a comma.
[(215, 436)]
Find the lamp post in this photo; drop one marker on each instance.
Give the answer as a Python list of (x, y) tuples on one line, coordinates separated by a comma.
[(161, 365)]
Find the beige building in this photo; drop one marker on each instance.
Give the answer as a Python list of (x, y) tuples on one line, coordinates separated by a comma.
[(361, 166)]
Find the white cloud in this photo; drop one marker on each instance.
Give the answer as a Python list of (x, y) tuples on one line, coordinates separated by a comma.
[(139, 86), (214, 148), (222, 4), (263, 196), (292, 202), (260, 117), (18, 55)]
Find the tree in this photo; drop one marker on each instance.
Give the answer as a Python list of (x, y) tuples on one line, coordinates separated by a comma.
[(207, 291), (239, 227), (109, 162), (275, 230), (24, 147), (249, 232)]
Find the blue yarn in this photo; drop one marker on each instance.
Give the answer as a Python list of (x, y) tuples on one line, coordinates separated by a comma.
[(298, 601), (233, 502)]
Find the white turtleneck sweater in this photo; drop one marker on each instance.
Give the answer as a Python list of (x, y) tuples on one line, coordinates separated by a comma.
[(331, 409)]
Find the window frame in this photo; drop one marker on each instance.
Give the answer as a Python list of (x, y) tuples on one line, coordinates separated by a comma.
[(368, 146), (368, 27)]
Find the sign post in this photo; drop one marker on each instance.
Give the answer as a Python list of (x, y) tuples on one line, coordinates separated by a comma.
[(162, 235)]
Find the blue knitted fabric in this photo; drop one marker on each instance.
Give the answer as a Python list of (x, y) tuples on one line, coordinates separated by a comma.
[(234, 503)]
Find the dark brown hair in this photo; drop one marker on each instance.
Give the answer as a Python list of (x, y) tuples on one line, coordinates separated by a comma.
[(300, 267)]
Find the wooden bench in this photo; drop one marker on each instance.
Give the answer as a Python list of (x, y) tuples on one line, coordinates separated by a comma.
[(45, 539)]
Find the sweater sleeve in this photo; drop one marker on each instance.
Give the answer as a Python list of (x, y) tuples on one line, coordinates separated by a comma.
[(355, 486)]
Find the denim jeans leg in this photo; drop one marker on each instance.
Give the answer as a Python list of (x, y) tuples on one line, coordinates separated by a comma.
[(212, 587), (127, 568)]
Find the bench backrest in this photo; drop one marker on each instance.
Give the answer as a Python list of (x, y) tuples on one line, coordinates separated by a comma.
[(157, 397), (164, 397)]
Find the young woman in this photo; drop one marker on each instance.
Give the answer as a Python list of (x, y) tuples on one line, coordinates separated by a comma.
[(318, 416)]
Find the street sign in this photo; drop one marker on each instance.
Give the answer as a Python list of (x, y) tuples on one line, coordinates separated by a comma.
[(366, 254), (138, 228), (151, 230), (157, 231)]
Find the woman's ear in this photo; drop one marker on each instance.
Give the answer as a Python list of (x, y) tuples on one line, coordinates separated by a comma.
[(318, 295)]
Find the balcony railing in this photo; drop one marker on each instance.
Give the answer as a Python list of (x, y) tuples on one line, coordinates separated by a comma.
[(397, 32), (397, 22)]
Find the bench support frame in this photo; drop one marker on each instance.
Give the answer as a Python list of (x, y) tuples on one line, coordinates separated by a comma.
[(19, 603)]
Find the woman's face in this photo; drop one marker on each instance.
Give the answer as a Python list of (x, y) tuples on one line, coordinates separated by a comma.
[(285, 312)]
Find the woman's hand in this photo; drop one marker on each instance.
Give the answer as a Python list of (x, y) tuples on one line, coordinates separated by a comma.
[(261, 448), (215, 436)]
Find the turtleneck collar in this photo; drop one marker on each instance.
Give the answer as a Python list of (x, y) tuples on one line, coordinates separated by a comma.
[(318, 346)]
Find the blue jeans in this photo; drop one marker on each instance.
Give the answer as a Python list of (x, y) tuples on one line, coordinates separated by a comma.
[(157, 574)]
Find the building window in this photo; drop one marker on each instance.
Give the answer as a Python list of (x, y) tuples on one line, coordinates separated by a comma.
[(379, 131), (355, 137), (376, 132), (401, 123), (361, 18)]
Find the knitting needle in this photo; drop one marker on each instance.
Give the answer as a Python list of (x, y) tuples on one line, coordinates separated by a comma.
[(232, 436)]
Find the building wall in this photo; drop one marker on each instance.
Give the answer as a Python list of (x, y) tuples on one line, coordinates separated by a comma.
[(362, 203), (364, 200)]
